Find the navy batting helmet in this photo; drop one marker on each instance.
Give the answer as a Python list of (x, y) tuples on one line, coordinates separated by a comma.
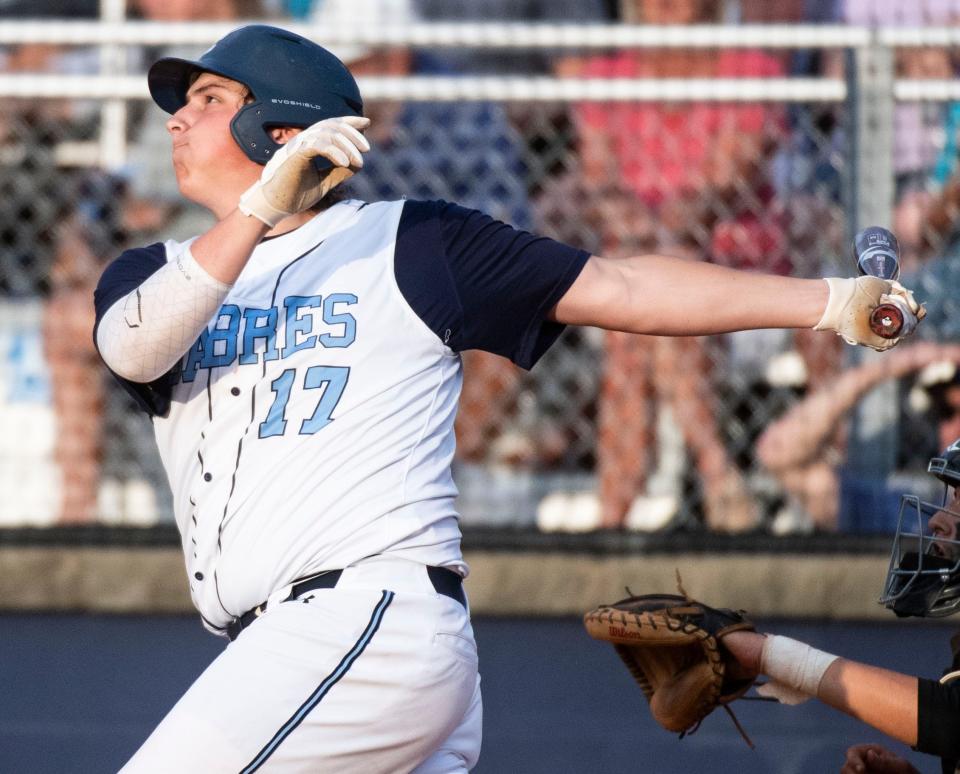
[(294, 82)]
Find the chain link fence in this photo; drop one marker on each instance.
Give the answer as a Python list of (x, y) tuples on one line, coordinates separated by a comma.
[(763, 158)]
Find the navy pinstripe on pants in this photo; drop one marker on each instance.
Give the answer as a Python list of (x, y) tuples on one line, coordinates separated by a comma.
[(342, 668)]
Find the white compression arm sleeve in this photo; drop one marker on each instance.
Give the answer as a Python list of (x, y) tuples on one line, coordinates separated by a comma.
[(147, 331)]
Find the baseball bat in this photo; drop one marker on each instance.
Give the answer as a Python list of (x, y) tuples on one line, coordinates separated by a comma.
[(877, 253)]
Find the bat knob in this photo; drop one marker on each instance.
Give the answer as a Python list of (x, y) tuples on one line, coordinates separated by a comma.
[(886, 321)]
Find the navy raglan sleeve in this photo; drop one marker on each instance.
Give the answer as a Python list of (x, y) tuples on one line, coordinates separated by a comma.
[(120, 278), (479, 283)]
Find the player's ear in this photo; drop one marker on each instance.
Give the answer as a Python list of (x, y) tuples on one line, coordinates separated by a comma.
[(283, 134)]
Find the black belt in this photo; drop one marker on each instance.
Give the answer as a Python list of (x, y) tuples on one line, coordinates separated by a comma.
[(444, 581)]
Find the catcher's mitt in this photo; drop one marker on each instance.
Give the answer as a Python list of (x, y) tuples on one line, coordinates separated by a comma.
[(670, 645)]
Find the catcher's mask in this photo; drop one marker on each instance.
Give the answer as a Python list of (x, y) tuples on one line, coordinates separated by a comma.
[(294, 82), (923, 578)]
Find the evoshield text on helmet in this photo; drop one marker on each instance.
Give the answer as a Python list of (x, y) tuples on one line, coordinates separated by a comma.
[(293, 81), (923, 578)]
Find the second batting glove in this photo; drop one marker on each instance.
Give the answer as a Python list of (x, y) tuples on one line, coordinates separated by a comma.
[(290, 183), (852, 301)]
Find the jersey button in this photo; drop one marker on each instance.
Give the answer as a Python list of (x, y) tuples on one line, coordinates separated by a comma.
[(207, 477), (234, 390), (198, 575)]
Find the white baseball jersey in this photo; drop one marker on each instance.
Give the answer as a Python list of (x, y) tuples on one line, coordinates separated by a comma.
[(311, 425)]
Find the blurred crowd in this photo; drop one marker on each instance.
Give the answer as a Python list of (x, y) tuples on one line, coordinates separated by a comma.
[(747, 432)]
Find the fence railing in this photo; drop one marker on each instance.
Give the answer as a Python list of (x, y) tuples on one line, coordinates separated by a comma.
[(820, 158)]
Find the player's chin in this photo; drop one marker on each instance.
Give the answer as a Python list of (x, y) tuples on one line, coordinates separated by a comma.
[(185, 181), (180, 172)]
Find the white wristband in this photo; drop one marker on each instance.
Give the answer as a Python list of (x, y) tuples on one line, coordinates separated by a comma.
[(794, 664), (254, 204), (840, 292)]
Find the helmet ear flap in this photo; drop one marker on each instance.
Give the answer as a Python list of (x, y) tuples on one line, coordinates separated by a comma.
[(250, 131), (251, 126)]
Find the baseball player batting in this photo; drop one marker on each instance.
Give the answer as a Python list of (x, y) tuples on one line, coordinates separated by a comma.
[(301, 365)]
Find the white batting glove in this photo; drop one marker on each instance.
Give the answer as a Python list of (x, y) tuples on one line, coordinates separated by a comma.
[(851, 302), (290, 183)]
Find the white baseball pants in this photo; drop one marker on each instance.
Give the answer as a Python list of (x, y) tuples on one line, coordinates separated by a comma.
[(376, 675)]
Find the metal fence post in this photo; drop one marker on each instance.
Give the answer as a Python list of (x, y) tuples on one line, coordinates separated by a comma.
[(873, 442), (113, 112)]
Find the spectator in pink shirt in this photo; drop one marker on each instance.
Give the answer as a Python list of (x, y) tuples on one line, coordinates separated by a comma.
[(688, 178)]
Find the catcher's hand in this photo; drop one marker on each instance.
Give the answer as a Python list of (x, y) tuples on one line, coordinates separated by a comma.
[(670, 644), (291, 183), (852, 301), (874, 759)]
